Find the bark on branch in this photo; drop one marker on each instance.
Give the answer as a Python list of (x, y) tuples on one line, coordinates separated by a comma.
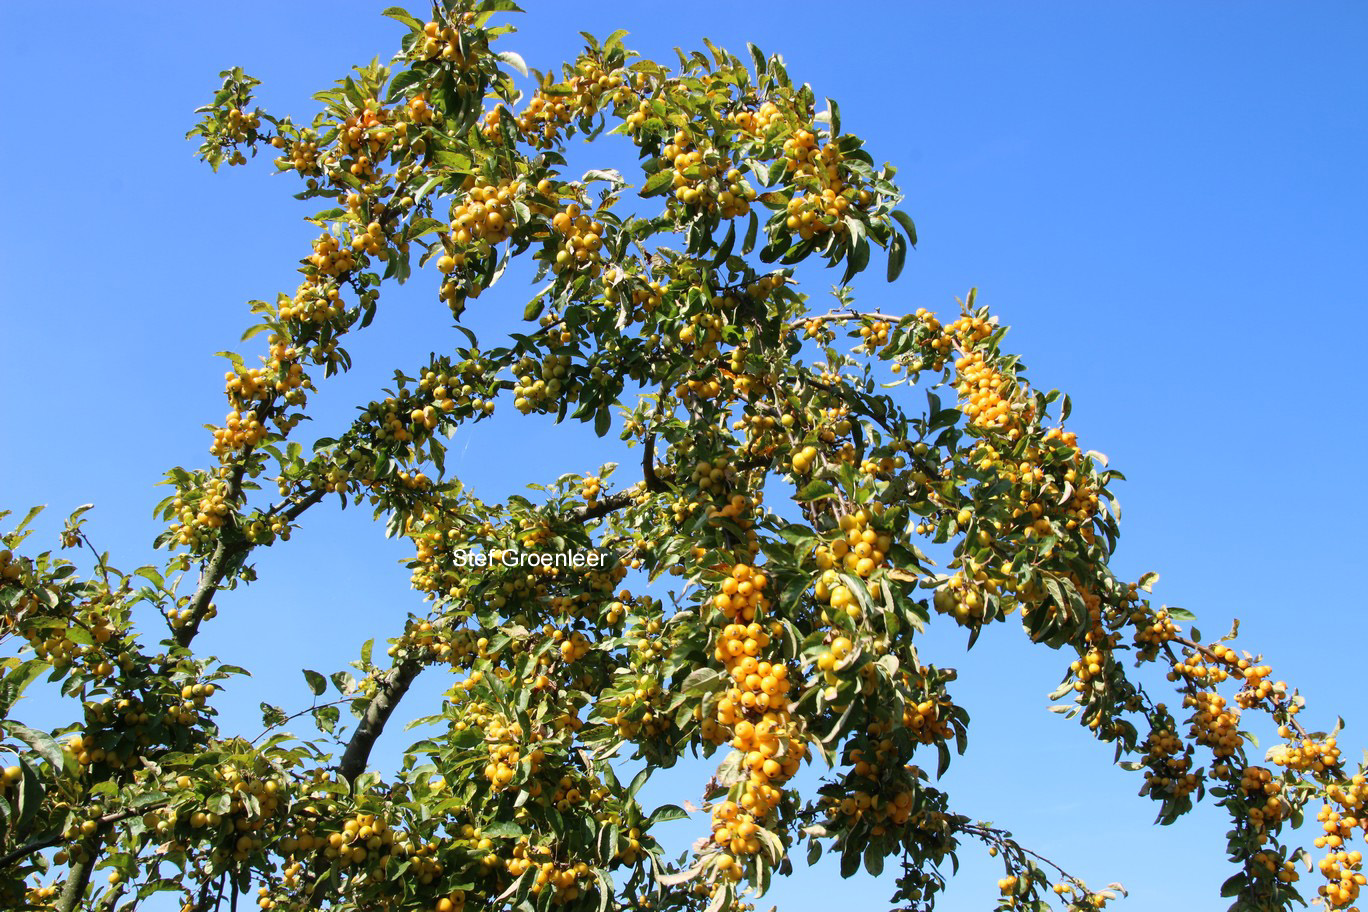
[(390, 688)]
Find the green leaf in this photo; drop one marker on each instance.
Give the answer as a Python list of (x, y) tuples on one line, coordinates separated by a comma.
[(317, 683), (725, 248), (603, 420), (815, 490), (658, 183), (897, 254), (41, 742), (399, 14), (902, 218), (666, 813), (13, 684), (614, 40), (637, 782)]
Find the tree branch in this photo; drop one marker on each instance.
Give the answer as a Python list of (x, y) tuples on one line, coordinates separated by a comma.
[(389, 690), (78, 875)]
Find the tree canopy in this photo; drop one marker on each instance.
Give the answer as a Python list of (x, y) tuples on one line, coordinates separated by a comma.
[(816, 485)]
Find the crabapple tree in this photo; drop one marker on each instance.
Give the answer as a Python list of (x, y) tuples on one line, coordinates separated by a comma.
[(815, 486)]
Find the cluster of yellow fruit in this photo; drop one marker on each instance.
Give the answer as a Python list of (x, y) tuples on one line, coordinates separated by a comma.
[(651, 720), (330, 258), (436, 642), (1308, 756), (542, 120), (874, 335), (1212, 724), (303, 156), (238, 122), (646, 296), (1342, 868), (1152, 631), (1257, 687), (835, 424), (313, 304), (10, 569), (282, 375), (753, 711), (1263, 793), (812, 214), (581, 239), (442, 42), (371, 241), (419, 111), (737, 833), (591, 82), (740, 596), (928, 719), (864, 548), (566, 881), (704, 179), (804, 156), (40, 897), (1169, 764), (760, 122), (198, 515), (454, 901), (361, 838), (883, 466), (505, 754), (987, 394), (1270, 864), (893, 805), (713, 476), (802, 460), (52, 646), (547, 385), (590, 488), (703, 331), (483, 216), (934, 345), (367, 131), (573, 645)]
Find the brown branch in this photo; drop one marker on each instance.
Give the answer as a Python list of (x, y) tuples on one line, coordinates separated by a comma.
[(211, 577), (390, 688), (56, 839), (78, 875), (842, 315)]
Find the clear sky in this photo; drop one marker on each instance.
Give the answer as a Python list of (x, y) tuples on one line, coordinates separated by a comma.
[(1165, 200)]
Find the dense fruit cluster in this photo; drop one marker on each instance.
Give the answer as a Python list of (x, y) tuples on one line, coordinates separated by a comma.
[(330, 258), (1267, 806), (442, 42), (565, 881), (484, 216), (540, 384), (580, 244), (761, 122), (1168, 762), (753, 712), (702, 178)]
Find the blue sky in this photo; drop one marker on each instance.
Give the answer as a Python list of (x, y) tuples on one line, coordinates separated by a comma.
[(1163, 199)]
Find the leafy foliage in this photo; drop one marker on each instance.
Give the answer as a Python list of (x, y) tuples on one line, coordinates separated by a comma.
[(668, 313)]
